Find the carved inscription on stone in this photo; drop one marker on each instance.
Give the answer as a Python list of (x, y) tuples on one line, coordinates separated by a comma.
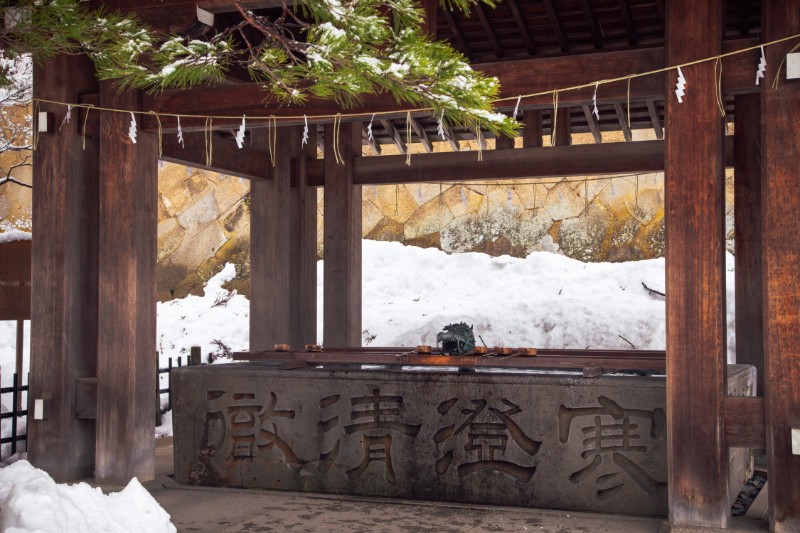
[(251, 426), (612, 436), (478, 439)]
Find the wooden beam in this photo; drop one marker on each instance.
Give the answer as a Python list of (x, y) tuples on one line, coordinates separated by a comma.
[(522, 26), (747, 235), (592, 24), (504, 143), (562, 132), (394, 135), (554, 22), (625, 10), (451, 137), (488, 30), (342, 283), (271, 243), (303, 254), (780, 152), (532, 128), (654, 120), (228, 158), (421, 135), (431, 8), (64, 281), (126, 364), (524, 76), (453, 25), (695, 277), (373, 145), (590, 120), (744, 422), (623, 122)]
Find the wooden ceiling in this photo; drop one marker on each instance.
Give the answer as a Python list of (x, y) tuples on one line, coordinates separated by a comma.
[(524, 30)]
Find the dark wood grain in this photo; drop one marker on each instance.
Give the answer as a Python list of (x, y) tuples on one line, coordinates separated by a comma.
[(15, 262), (523, 76), (532, 128), (747, 235), (64, 282), (695, 267), (780, 152), (342, 239), (15, 302), (563, 136), (744, 422), (227, 157), (126, 369)]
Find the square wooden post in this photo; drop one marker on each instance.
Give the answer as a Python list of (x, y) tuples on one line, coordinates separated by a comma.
[(342, 277), (126, 369), (64, 282), (780, 144), (695, 272), (747, 235)]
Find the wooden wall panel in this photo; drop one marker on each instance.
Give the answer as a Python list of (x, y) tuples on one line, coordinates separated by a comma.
[(126, 369), (695, 267), (64, 282), (747, 235), (780, 143), (342, 241)]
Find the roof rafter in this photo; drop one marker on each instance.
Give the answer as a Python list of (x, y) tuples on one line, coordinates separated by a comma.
[(489, 31), (422, 135), (598, 138), (623, 122), (651, 108), (522, 26), (625, 9), (394, 135), (592, 23), (551, 13), (453, 25)]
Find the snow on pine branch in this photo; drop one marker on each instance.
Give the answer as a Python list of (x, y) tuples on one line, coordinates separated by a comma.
[(340, 50)]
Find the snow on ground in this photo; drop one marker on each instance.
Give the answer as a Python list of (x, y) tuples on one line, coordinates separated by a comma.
[(30, 501)]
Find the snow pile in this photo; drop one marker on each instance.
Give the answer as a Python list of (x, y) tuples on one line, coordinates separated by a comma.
[(30, 501), (10, 234)]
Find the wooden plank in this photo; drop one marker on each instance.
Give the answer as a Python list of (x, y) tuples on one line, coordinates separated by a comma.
[(271, 242), (747, 235), (394, 135), (504, 143), (421, 135), (623, 122), (342, 227), (780, 151), (303, 254), (522, 26), (654, 120), (592, 122), (451, 137), (86, 398), (15, 261), (563, 137), (532, 128), (15, 302), (373, 145), (523, 76), (695, 268), (488, 30), (228, 158), (64, 298), (744, 422), (126, 368)]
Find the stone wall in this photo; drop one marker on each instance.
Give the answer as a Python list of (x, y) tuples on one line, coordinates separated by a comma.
[(204, 219)]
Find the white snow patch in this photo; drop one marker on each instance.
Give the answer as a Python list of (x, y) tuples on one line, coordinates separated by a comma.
[(30, 501), (13, 235)]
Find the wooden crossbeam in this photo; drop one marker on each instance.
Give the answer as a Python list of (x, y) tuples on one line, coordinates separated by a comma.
[(523, 76), (421, 135), (522, 26), (551, 13), (453, 25), (247, 162), (628, 21), (592, 24), (394, 135), (598, 138), (623, 122), (651, 108), (489, 31), (451, 137), (374, 146)]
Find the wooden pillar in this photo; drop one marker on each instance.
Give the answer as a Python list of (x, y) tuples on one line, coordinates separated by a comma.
[(64, 277), (747, 226), (695, 268), (780, 144), (303, 258), (342, 278), (126, 367), (563, 137), (271, 245), (532, 128)]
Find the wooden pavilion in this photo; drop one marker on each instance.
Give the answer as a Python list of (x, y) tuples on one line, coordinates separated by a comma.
[(94, 205)]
